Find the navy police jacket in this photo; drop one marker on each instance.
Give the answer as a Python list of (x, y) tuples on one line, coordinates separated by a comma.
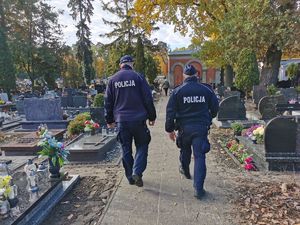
[(191, 102), (128, 98)]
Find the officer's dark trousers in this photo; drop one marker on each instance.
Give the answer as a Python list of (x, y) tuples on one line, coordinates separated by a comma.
[(137, 131), (195, 137)]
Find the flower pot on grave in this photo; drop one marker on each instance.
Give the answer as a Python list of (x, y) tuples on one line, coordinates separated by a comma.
[(237, 133), (54, 169), (93, 132)]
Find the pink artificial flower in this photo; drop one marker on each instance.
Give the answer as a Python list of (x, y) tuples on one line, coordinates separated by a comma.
[(249, 160), (292, 101), (249, 167)]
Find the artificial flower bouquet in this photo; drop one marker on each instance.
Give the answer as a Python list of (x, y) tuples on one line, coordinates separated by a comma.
[(255, 133), (90, 126), (240, 152), (52, 148)]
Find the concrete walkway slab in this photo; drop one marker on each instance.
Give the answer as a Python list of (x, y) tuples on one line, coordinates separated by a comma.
[(167, 198)]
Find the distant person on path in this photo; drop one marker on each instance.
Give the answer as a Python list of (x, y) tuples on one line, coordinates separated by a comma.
[(190, 110), (128, 104), (166, 86)]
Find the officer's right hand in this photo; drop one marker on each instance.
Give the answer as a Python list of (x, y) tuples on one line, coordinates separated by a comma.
[(151, 123), (111, 125), (172, 136)]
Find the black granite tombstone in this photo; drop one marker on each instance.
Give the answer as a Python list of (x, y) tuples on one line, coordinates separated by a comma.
[(48, 111), (232, 108), (79, 101), (228, 93), (289, 93), (282, 143), (97, 115), (267, 106), (38, 109), (20, 107), (258, 93)]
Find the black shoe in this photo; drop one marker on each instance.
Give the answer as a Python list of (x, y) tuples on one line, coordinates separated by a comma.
[(131, 181), (200, 194), (185, 173), (138, 180)]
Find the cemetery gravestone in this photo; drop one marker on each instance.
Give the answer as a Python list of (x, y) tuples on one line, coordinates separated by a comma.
[(282, 137), (97, 115), (42, 109), (289, 93), (221, 90), (267, 106), (79, 101), (258, 93), (232, 108), (228, 93), (20, 106)]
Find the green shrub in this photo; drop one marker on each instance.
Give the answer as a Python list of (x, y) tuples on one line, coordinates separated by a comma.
[(98, 101), (77, 126), (292, 70), (271, 89)]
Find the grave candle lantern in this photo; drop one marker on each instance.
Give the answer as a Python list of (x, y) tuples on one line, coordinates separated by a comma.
[(31, 172), (3, 169)]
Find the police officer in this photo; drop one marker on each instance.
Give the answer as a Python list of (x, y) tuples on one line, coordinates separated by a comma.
[(129, 103), (190, 110)]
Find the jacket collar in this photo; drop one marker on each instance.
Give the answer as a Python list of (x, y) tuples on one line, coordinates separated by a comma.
[(191, 79), (126, 67)]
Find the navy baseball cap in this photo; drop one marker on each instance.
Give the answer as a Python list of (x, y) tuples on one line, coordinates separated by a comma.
[(125, 59), (189, 70)]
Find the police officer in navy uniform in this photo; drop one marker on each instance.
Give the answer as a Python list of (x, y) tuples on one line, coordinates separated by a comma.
[(190, 110), (128, 104)]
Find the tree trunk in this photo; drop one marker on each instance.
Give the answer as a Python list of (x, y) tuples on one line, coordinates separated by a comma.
[(271, 66), (228, 76), (222, 77)]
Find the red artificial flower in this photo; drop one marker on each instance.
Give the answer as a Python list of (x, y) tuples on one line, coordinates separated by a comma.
[(229, 144), (96, 125), (87, 122)]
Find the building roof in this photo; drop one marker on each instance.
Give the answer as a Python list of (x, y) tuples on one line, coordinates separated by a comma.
[(183, 52)]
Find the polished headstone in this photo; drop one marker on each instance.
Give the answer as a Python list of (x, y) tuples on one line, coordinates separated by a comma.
[(289, 93), (267, 106), (228, 93), (97, 115), (37, 109), (282, 143), (232, 108), (79, 101), (20, 106)]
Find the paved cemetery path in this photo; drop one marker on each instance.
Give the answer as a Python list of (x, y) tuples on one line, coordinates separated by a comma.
[(167, 198)]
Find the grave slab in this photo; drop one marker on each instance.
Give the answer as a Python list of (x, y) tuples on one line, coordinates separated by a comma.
[(33, 208), (90, 148), (27, 144)]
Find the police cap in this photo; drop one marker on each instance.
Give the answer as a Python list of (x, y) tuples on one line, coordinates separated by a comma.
[(125, 59), (189, 70)]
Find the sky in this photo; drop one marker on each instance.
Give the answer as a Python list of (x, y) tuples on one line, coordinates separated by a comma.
[(165, 34)]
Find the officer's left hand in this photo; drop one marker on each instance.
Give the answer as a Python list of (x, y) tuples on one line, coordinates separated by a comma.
[(172, 136)]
